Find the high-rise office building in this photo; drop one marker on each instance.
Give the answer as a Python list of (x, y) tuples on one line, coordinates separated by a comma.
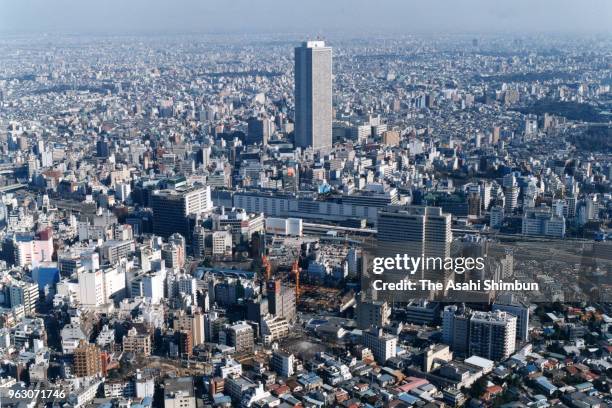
[(417, 231), (259, 130), (420, 229), (172, 209), (313, 95)]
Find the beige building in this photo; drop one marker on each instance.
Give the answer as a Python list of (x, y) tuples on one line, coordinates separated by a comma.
[(87, 360), (137, 343), (434, 355), (391, 138), (194, 323), (274, 328)]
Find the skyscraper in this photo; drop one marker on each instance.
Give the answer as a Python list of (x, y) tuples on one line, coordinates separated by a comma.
[(313, 95), (418, 232)]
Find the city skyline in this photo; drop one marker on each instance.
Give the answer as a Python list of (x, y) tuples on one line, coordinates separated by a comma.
[(247, 220)]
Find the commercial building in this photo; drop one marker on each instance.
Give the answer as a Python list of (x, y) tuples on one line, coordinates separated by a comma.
[(283, 363), (241, 224), (112, 251), (87, 360), (284, 226), (281, 299), (422, 311), (383, 345), (240, 336), (24, 293), (362, 206), (375, 313), (134, 342), (172, 209), (259, 130), (31, 250), (46, 275), (179, 393), (416, 231), (542, 221), (313, 95), (220, 244)]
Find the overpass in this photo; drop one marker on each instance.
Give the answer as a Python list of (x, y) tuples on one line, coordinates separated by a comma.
[(12, 187)]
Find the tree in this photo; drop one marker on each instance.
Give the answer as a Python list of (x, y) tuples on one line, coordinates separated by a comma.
[(479, 388)]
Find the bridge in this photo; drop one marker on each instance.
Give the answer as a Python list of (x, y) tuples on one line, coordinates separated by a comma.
[(12, 187)]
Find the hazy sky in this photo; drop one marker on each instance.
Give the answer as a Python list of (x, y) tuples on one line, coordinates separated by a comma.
[(314, 16)]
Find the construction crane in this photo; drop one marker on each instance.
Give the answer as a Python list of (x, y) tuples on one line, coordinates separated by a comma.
[(295, 272), (267, 267)]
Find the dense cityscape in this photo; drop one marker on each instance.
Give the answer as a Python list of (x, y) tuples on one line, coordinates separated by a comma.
[(191, 220)]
